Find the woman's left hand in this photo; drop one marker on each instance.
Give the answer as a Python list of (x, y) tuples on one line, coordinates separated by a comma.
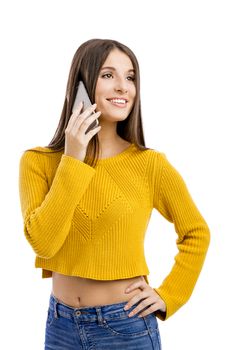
[(149, 296)]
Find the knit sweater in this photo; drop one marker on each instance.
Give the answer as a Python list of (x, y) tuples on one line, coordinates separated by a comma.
[(91, 221)]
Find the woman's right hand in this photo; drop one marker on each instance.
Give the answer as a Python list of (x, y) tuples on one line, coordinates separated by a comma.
[(76, 141)]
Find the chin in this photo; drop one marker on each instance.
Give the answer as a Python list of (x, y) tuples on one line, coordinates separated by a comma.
[(116, 116)]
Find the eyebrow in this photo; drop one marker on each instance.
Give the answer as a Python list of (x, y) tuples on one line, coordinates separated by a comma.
[(112, 68)]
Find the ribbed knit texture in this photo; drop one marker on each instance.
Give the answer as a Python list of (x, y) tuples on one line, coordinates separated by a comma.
[(91, 221)]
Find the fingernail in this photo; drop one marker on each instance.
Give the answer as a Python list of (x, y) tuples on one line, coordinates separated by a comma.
[(127, 290), (126, 307)]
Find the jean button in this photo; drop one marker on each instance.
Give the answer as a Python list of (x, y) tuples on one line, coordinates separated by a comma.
[(78, 313)]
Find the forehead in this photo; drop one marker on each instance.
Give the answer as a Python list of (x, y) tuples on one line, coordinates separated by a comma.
[(118, 59)]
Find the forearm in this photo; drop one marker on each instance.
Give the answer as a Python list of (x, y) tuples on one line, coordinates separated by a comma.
[(178, 286), (48, 216)]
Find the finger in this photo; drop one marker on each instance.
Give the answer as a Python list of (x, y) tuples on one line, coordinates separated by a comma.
[(74, 115), (88, 111), (84, 124), (93, 131), (148, 311), (135, 286), (144, 304), (135, 300), (78, 108)]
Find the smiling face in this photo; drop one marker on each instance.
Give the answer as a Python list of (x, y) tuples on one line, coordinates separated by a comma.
[(115, 88)]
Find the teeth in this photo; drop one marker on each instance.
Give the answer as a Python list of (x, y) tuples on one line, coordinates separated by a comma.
[(118, 101)]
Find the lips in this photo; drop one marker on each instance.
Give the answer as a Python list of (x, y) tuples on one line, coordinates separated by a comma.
[(117, 100), (119, 103)]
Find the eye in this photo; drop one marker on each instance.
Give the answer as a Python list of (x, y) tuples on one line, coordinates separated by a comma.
[(131, 78), (107, 74)]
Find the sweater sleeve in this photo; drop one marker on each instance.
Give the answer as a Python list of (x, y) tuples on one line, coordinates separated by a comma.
[(48, 212), (173, 200)]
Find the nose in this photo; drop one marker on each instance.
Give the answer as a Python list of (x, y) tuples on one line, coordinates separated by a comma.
[(121, 85)]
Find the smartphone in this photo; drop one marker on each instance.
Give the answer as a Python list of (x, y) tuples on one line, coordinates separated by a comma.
[(82, 95)]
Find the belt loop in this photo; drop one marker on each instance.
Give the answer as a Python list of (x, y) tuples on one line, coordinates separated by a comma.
[(99, 315), (55, 307)]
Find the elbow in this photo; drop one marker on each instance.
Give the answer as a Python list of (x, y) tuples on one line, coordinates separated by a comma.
[(207, 236), (202, 237), (44, 250)]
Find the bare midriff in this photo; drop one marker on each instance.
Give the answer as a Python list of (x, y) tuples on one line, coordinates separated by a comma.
[(83, 292)]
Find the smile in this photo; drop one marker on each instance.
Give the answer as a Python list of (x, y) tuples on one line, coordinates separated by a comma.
[(118, 102)]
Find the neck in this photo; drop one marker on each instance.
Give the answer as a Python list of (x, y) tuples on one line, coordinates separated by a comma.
[(108, 137)]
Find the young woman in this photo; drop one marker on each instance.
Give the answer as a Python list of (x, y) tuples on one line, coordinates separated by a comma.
[(86, 201)]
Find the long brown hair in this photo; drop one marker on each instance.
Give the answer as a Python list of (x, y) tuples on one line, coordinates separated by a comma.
[(85, 66)]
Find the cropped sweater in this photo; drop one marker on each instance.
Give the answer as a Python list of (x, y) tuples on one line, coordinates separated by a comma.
[(91, 221)]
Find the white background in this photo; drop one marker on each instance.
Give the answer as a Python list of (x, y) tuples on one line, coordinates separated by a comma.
[(185, 53)]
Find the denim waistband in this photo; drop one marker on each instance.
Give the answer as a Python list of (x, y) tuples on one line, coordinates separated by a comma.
[(89, 313)]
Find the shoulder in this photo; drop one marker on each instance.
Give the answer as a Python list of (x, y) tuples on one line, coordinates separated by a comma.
[(159, 166), (155, 158), (38, 156), (40, 151), (43, 150), (145, 151)]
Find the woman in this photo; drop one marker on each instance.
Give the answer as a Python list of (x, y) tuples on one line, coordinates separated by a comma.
[(86, 200)]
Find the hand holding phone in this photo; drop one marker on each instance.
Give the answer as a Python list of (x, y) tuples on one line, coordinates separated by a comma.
[(80, 129), (82, 95)]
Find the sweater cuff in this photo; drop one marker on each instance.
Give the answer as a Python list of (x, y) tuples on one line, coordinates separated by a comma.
[(164, 315)]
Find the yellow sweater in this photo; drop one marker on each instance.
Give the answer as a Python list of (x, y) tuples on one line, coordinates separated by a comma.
[(91, 221)]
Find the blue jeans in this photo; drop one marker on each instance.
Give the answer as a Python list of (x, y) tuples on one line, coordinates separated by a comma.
[(105, 327)]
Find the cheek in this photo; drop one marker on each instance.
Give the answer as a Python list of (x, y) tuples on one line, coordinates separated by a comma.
[(133, 92), (99, 92), (133, 98)]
